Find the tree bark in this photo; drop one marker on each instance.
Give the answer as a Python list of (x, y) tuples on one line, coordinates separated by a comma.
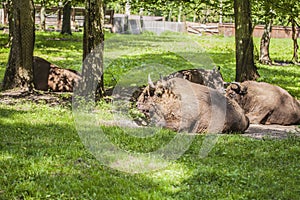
[(294, 37), (8, 19), (245, 67), (58, 26), (43, 16), (19, 71), (264, 57), (93, 45), (66, 25)]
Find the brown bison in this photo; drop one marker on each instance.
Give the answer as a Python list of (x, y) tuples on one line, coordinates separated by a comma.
[(265, 103), (47, 76), (211, 78), (184, 106)]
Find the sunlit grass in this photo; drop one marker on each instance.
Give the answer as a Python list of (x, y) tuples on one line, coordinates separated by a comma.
[(127, 52)]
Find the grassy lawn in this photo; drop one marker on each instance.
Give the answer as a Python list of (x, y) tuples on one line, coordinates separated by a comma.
[(43, 157)]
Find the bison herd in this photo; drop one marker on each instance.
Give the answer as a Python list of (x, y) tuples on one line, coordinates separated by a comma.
[(193, 100)]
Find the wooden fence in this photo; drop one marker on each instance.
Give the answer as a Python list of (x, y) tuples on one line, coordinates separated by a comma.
[(119, 22), (228, 30)]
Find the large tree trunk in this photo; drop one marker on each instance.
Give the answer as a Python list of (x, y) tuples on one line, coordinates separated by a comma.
[(264, 57), (19, 69), (245, 67), (93, 39), (294, 37), (66, 26)]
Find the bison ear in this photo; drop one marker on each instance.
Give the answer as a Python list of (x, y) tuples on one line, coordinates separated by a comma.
[(218, 68), (235, 87)]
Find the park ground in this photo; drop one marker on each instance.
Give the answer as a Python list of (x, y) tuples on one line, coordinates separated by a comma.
[(43, 157)]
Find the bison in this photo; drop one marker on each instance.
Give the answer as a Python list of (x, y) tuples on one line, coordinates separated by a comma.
[(184, 106), (264, 103), (211, 78), (47, 76)]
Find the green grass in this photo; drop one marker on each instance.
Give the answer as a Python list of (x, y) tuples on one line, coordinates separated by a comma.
[(166, 53), (42, 155)]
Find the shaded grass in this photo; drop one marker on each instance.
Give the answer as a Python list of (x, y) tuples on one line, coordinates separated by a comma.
[(43, 157)]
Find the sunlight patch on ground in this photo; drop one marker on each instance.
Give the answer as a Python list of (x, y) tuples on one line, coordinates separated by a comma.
[(174, 175)]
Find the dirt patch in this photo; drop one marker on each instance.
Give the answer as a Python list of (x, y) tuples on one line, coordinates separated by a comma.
[(12, 97), (259, 131)]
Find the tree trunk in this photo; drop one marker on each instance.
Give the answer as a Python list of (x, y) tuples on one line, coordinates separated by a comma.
[(66, 26), (8, 11), (6, 6), (179, 13), (93, 39), (19, 71), (245, 67), (58, 26), (264, 57), (294, 37), (43, 16)]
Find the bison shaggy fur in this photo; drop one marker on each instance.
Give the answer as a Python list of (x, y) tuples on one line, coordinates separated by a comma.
[(184, 106), (265, 103)]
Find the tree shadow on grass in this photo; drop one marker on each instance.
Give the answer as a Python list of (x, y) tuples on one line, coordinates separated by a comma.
[(286, 77), (49, 160), (243, 168), (9, 113)]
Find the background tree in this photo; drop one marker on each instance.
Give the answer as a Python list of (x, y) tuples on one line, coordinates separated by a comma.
[(43, 6), (93, 39), (66, 25), (19, 69), (10, 21), (290, 10), (263, 13), (245, 67), (43, 15)]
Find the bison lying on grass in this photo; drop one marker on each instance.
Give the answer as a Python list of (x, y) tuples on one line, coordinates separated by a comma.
[(265, 103), (184, 106), (47, 76), (211, 78)]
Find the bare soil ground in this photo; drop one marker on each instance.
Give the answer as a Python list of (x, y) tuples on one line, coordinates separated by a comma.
[(12, 97), (256, 131), (274, 131)]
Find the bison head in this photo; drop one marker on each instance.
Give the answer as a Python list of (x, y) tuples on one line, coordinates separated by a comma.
[(235, 90), (158, 102)]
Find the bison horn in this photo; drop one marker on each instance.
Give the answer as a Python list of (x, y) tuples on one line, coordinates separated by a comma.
[(151, 84)]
